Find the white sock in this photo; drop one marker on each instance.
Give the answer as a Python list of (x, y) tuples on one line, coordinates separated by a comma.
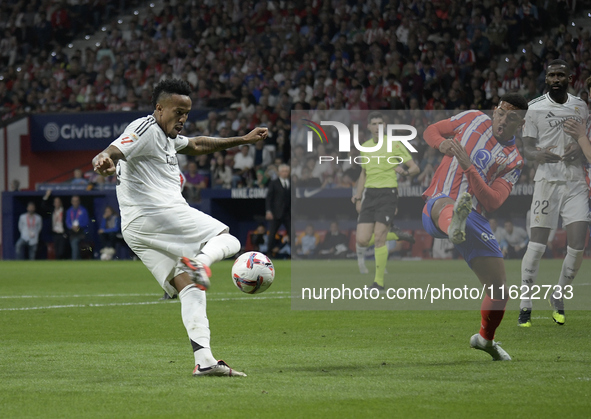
[(361, 258), (217, 248), (529, 271), (570, 267), (483, 341), (195, 320)]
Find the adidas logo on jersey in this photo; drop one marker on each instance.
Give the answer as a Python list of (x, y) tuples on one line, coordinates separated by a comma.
[(550, 115)]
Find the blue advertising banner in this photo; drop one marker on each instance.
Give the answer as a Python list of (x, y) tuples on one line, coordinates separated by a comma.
[(84, 131)]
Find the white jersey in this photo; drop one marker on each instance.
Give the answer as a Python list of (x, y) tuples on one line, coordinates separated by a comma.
[(149, 180), (544, 121)]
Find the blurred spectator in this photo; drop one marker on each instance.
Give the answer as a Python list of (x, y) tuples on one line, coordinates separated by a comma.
[(221, 172), (278, 204), (262, 156), (481, 47), (513, 21), (260, 180), (283, 248), (260, 239), (204, 165), (108, 231), (307, 242), (498, 231), (514, 241), (335, 243), (29, 225), (15, 185), (528, 14), (243, 166), (194, 183), (77, 222), (78, 178), (466, 59), (58, 228)]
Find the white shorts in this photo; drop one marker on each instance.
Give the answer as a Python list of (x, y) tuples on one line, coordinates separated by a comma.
[(161, 239), (551, 199)]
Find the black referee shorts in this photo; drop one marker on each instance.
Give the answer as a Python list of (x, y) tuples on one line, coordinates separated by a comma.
[(378, 205)]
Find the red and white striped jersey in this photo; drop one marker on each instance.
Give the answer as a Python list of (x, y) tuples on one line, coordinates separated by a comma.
[(492, 159)]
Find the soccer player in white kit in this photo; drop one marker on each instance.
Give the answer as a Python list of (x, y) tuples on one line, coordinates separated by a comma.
[(560, 187), (176, 242)]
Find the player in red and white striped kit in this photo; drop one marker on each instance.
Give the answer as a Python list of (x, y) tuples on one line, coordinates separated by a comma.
[(480, 167)]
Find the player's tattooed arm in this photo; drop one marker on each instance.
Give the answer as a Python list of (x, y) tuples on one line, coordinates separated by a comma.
[(105, 162), (541, 155), (207, 145)]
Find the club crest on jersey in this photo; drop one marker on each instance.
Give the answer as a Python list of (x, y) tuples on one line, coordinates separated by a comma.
[(502, 160)]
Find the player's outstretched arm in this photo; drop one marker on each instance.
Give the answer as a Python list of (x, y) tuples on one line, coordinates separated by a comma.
[(105, 163), (208, 145)]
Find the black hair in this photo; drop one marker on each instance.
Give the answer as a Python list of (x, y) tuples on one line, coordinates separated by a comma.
[(374, 115), (515, 99), (559, 62), (170, 87)]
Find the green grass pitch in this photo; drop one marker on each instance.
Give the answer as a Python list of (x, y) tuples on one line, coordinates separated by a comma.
[(91, 340)]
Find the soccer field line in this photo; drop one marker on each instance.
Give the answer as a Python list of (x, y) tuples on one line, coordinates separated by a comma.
[(113, 295), (91, 305)]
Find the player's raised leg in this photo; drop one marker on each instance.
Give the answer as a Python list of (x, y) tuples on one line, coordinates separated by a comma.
[(217, 248), (461, 210), (491, 273), (450, 216)]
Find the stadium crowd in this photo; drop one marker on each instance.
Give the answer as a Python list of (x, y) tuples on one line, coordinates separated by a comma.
[(252, 63)]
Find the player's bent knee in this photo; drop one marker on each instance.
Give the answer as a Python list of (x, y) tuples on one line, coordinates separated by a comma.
[(232, 244), (362, 243)]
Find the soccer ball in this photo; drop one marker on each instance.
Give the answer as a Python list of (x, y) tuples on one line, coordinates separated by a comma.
[(253, 272)]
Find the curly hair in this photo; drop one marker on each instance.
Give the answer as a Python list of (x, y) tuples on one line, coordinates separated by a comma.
[(170, 87), (516, 100)]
